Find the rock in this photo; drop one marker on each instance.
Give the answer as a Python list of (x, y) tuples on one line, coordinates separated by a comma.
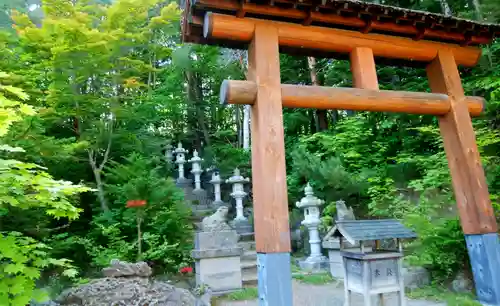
[(462, 284), (126, 291), (416, 277), (47, 303), (217, 221), (344, 213), (124, 269)]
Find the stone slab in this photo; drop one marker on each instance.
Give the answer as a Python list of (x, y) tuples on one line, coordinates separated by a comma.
[(220, 274), (215, 253), (215, 240)]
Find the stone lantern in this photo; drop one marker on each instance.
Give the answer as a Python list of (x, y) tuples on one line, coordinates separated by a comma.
[(310, 204), (169, 154), (180, 160), (240, 221), (216, 181), (196, 170)]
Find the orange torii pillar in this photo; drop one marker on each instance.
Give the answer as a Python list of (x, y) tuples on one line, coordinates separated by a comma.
[(267, 95)]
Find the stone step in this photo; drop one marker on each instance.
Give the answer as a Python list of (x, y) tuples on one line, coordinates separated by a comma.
[(249, 267), (249, 255), (249, 280), (248, 264)]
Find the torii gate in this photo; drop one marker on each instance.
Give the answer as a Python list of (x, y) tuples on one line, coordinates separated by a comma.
[(363, 31)]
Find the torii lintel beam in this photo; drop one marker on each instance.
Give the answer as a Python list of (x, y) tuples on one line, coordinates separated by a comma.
[(231, 28), (321, 97)]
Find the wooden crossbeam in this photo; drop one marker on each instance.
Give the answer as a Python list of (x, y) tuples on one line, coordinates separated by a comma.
[(231, 28), (321, 97)]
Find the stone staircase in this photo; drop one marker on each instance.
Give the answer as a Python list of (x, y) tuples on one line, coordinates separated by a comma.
[(201, 207), (248, 261)]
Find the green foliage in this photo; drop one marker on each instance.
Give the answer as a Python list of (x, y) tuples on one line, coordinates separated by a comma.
[(21, 261), (26, 186), (441, 246), (314, 279), (444, 295), (166, 228), (245, 294)]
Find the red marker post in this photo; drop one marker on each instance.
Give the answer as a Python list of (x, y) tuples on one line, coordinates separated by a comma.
[(138, 204)]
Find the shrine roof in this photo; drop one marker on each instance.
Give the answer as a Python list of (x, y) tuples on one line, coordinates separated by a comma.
[(342, 14), (363, 230)]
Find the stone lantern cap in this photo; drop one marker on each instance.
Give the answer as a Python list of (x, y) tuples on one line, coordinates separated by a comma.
[(180, 149), (195, 158), (369, 230), (216, 178), (237, 178), (309, 200)]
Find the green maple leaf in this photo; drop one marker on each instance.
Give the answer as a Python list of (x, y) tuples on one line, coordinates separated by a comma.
[(71, 273), (13, 268)]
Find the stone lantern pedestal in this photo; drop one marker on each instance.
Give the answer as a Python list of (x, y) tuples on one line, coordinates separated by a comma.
[(310, 204), (240, 222), (180, 160), (198, 196)]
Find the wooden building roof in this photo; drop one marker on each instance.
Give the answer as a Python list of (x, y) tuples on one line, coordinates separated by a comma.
[(344, 14), (364, 230)]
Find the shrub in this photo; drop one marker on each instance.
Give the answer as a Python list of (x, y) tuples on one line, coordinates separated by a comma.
[(166, 227)]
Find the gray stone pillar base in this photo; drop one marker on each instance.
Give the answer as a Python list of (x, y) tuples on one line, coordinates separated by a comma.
[(218, 260), (242, 226), (199, 199), (315, 264), (183, 183)]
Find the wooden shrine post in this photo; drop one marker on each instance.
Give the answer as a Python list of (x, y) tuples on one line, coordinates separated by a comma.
[(270, 197), (290, 26)]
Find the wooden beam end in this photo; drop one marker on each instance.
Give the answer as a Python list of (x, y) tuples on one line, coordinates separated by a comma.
[(224, 90), (207, 25), (237, 92)]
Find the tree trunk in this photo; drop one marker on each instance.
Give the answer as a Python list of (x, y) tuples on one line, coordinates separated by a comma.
[(200, 110), (195, 97), (321, 114), (100, 190), (445, 7), (237, 117), (312, 122), (479, 17), (246, 127), (246, 109)]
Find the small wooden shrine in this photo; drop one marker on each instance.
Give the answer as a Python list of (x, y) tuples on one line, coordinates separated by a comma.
[(378, 270)]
